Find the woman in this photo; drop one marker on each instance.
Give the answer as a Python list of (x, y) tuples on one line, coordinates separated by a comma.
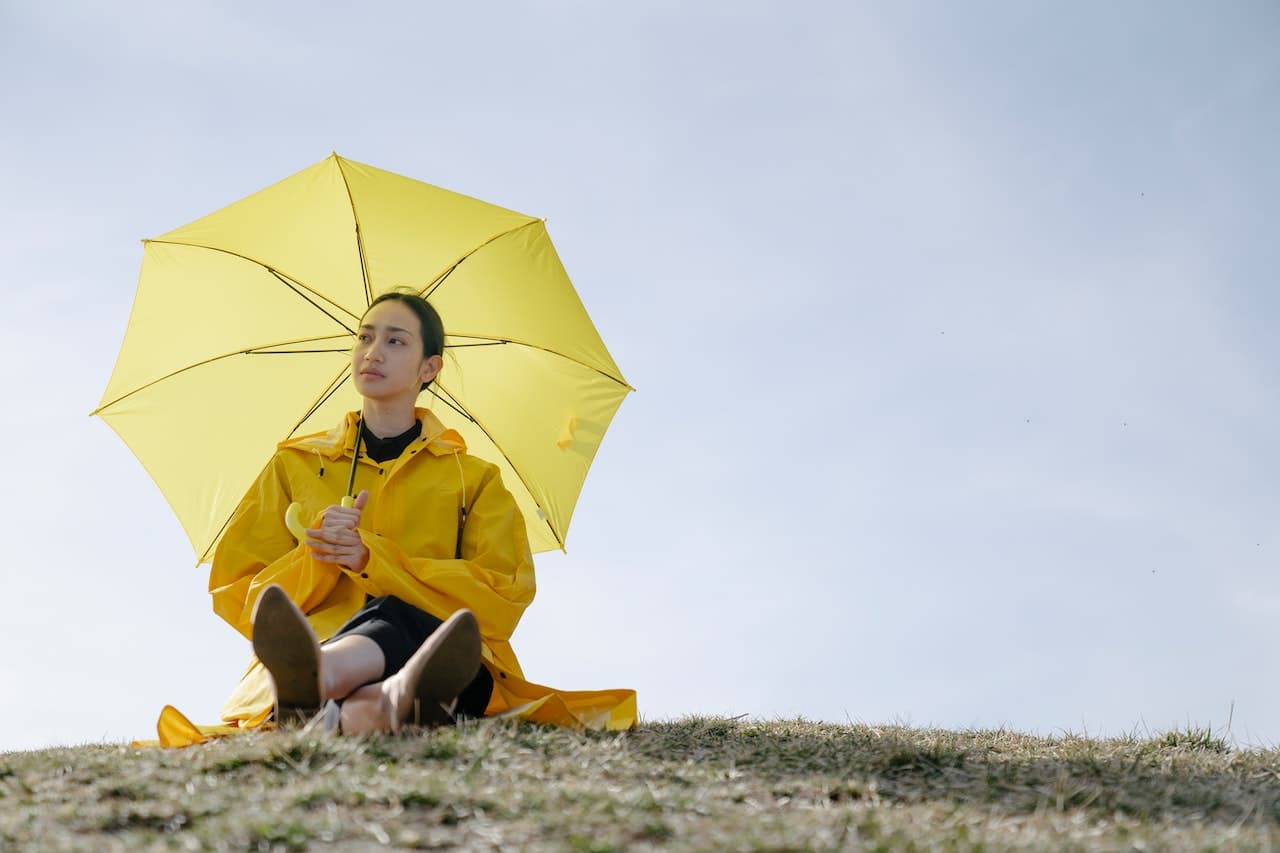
[(416, 588)]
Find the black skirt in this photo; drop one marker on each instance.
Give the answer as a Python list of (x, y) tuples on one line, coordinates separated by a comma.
[(399, 629)]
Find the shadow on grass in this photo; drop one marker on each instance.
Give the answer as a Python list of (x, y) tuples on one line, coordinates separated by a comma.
[(1179, 776)]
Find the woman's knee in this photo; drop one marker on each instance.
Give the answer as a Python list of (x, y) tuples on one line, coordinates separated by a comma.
[(394, 607)]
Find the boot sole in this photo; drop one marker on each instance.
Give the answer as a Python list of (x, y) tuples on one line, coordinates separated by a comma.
[(287, 646), (440, 669)]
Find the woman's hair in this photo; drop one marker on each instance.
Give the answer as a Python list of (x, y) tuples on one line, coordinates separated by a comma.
[(428, 319)]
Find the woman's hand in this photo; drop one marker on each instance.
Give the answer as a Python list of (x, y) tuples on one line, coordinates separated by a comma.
[(336, 540)]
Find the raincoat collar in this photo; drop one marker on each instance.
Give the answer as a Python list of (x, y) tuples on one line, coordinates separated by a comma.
[(339, 442)]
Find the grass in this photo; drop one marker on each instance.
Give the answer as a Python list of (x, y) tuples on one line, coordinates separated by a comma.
[(694, 784)]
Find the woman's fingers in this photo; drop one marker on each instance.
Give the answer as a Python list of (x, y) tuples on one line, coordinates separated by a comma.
[(336, 545), (342, 517), (338, 516), (346, 516), (327, 551), (335, 535)]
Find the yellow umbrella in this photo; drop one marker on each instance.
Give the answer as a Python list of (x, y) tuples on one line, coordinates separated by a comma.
[(242, 324)]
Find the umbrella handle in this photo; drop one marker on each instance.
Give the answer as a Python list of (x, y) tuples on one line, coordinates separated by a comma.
[(293, 521), (293, 517)]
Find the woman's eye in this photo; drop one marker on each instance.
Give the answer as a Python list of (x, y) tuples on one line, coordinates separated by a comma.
[(395, 340)]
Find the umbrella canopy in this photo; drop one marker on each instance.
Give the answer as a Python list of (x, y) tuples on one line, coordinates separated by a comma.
[(242, 326)]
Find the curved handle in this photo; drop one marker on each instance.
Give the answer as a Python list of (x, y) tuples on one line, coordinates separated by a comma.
[(293, 517), (293, 521)]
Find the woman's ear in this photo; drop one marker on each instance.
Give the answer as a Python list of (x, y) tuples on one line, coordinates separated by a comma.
[(431, 367)]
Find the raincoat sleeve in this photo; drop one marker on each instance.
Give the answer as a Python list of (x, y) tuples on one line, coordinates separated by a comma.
[(494, 577), (257, 549)]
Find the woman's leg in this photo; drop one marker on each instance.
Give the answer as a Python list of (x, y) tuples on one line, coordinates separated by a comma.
[(427, 688), (374, 644), (348, 663), (363, 664), (367, 710)]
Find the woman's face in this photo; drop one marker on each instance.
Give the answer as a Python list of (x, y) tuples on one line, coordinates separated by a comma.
[(387, 362)]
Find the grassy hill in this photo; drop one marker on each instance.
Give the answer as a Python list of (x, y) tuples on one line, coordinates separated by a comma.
[(710, 784)]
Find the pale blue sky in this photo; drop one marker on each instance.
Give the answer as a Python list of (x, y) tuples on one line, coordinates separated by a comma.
[(952, 326)]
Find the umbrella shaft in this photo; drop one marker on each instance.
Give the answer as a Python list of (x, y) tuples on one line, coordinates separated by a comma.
[(355, 459)]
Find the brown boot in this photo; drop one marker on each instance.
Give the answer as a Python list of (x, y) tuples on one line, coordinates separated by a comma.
[(439, 670), (287, 646)]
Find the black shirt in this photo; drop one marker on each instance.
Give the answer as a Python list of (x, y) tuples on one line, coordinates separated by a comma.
[(382, 449)]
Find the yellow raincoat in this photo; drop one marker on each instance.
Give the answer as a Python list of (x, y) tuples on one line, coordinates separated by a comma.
[(412, 525)]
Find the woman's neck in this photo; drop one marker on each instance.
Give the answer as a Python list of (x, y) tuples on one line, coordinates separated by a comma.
[(386, 420)]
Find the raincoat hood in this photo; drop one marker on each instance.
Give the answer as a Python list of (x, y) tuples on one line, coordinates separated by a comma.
[(339, 442)]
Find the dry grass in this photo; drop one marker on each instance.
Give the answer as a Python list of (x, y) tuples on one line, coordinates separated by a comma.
[(696, 784)]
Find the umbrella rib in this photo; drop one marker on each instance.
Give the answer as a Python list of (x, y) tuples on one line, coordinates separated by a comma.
[(451, 403), (309, 340), (258, 350), (428, 291), (490, 341), (498, 447), (213, 543), (431, 288), (364, 271), (292, 283), (334, 385)]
